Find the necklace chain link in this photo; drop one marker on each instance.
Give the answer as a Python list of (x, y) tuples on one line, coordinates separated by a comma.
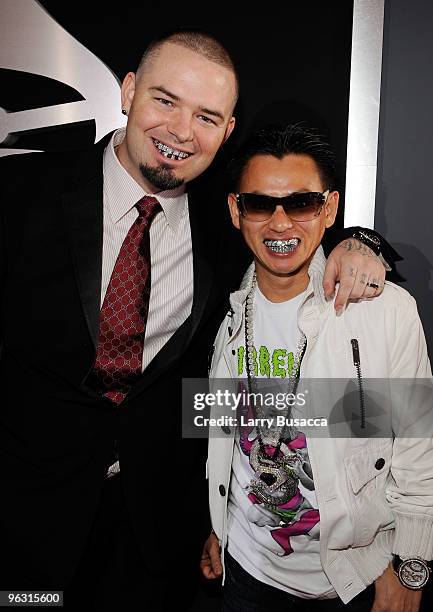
[(276, 479)]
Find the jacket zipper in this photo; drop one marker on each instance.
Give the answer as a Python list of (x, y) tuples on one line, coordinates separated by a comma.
[(357, 364)]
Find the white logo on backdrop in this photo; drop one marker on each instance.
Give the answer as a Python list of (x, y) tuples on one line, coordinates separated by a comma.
[(32, 41)]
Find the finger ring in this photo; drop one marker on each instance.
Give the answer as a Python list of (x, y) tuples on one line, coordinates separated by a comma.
[(373, 285)]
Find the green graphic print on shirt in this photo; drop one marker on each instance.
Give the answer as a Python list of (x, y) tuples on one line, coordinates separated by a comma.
[(278, 364)]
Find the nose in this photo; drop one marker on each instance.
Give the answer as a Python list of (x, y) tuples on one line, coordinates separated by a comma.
[(280, 222), (180, 126)]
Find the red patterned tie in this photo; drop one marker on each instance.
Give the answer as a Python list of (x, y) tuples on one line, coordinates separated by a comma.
[(122, 323)]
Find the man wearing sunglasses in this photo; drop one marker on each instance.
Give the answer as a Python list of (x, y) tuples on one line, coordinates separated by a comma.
[(298, 206), (305, 522)]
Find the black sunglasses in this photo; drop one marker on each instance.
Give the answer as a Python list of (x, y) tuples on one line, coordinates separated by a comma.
[(298, 206)]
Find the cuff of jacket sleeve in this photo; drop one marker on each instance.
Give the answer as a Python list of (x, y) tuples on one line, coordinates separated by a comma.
[(413, 536), (369, 562)]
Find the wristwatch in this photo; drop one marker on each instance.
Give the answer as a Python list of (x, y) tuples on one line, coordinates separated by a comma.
[(370, 239), (413, 573)]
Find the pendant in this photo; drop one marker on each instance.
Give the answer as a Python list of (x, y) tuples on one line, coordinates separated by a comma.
[(276, 480)]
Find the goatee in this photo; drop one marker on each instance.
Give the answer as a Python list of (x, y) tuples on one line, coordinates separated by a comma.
[(161, 177)]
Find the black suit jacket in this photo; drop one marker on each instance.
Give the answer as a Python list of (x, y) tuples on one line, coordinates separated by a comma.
[(57, 434)]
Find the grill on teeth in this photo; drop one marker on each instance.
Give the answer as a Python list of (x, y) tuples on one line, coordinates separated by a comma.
[(282, 246), (169, 152)]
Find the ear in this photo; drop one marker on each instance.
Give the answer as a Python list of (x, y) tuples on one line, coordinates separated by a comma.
[(229, 129), (331, 208), (128, 90), (234, 210)]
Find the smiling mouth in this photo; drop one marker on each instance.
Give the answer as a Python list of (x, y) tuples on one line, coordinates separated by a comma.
[(168, 152), (282, 246)]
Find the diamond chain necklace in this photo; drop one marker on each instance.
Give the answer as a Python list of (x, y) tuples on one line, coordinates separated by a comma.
[(276, 478)]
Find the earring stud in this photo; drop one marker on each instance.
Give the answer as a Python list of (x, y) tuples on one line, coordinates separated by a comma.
[(124, 111)]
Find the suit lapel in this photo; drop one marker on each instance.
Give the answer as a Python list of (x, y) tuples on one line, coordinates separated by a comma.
[(83, 208), (205, 245)]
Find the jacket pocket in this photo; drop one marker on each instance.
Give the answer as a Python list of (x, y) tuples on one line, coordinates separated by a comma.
[(367, 473), (368, 463)]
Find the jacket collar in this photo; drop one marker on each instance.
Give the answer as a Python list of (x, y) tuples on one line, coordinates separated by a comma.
[(83, 209), (314, 296), (314, 291)]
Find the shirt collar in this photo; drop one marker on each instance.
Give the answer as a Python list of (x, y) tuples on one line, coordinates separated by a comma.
[(123, 192)]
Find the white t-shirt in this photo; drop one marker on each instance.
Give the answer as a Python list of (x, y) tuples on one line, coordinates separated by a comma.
[(279, 547)]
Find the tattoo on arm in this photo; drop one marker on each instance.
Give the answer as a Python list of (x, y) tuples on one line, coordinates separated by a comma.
[(354, 245)]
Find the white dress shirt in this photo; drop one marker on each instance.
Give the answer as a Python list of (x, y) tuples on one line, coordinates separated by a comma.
[(170, 248)]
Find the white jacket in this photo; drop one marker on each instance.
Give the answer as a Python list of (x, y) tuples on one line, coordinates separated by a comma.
[(368, 509)]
